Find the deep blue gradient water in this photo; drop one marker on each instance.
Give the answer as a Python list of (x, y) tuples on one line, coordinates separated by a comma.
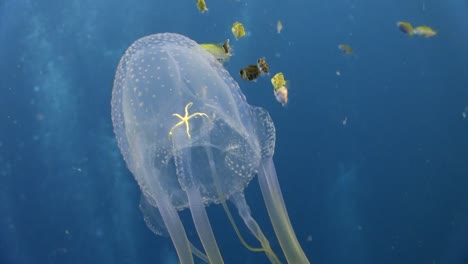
[(389, 186)]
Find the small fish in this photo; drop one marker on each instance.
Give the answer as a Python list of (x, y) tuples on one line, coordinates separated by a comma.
[(424, 31), (346, 49), (238, 30), (405, 27), (279, 26), (222, 52), (263, 65), (227, 48), (282, 95), (201, 5), (278, 81), (279, 88), (250, 73)]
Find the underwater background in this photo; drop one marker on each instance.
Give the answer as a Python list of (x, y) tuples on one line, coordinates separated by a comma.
[(371, 150)]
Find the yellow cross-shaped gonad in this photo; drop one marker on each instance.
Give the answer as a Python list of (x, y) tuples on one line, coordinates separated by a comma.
[(185, 119)]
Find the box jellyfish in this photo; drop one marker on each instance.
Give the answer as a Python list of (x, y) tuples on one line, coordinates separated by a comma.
[(190, 140)]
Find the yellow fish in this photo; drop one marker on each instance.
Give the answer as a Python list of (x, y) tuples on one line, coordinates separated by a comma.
[(405, 27), (424, 31), (278, 81), (346, 49), (222, 52), (201, 6), (238, 30), (279, 26), (279, 88)]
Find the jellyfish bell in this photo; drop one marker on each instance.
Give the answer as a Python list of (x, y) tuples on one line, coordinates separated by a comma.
[(190, 139)]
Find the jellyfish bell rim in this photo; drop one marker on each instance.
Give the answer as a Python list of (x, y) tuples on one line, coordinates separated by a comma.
[(208, 198)]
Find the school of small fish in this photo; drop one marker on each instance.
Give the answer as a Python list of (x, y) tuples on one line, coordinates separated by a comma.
[(223, 52), (422, 31)]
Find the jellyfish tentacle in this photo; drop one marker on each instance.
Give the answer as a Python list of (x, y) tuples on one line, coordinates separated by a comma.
[(256, 230), (244, 211), (199, 253), (279, 218)]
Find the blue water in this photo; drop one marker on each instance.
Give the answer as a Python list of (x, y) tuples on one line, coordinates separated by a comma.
[(388, 186)]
